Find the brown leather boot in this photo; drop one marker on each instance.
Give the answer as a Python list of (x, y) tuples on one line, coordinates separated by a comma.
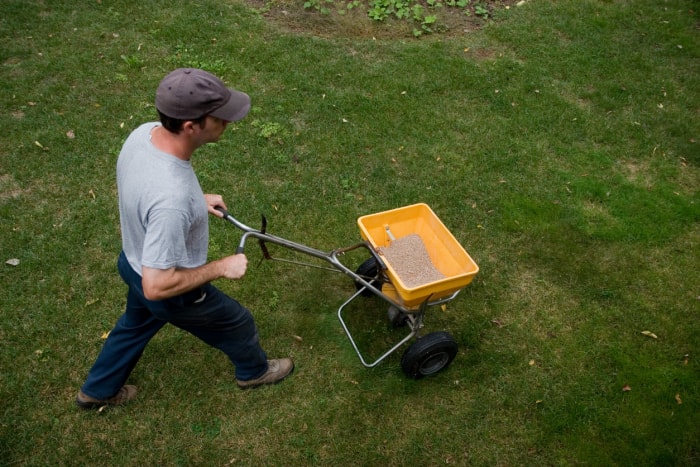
[(277, 370), (125, 394)]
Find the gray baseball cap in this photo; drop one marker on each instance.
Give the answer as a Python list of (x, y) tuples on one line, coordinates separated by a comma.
[(190, 93)]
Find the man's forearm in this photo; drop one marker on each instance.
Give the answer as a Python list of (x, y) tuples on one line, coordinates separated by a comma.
[(159, 284)]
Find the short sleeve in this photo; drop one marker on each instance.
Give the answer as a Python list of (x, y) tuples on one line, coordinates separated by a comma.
[(165, 244)]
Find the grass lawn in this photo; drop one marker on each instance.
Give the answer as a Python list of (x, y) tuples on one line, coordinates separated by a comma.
[(558, 141)]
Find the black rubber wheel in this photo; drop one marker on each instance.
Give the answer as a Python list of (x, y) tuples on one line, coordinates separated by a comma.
[(429, 354), (366, 270)]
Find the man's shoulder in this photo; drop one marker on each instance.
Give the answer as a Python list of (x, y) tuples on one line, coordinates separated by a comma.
[(142, 131)]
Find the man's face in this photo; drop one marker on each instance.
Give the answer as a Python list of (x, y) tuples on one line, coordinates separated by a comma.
[(212, 129)]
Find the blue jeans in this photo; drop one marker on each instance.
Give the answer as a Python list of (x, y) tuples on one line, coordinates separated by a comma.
[(205, 312)]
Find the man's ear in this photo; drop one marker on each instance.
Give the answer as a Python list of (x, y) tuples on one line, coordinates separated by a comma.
[(188, 127)]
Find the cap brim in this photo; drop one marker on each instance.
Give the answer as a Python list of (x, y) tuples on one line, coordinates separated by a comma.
[(235, 109)]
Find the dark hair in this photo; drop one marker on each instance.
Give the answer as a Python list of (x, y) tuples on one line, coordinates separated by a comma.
[(174, 125)]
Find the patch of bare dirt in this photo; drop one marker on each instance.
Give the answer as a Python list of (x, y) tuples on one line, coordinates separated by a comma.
[(291, 16)]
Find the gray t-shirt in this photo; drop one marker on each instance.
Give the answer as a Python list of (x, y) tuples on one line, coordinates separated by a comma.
[(163, 213)]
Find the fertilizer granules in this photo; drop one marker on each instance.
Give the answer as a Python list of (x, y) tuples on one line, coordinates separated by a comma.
[(411, 261)]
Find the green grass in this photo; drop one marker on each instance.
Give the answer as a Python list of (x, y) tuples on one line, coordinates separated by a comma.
[(559, 144)]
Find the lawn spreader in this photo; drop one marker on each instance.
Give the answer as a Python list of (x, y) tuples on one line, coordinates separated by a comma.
[(387, 276)]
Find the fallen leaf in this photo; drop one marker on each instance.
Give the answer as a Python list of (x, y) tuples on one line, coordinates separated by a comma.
[(12, 262), (297, 338), (532, 363), (650, 334), (678, 399), (626, 388), (104, 335), (70, 134)]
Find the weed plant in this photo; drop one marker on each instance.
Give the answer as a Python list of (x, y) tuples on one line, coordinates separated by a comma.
[(559, 144)]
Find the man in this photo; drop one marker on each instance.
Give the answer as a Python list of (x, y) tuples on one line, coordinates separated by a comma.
[(165, 233)]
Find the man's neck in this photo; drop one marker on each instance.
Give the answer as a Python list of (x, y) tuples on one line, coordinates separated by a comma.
[(176, 144)]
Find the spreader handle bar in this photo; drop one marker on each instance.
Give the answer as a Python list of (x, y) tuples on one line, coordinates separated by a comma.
[(251, 232)]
